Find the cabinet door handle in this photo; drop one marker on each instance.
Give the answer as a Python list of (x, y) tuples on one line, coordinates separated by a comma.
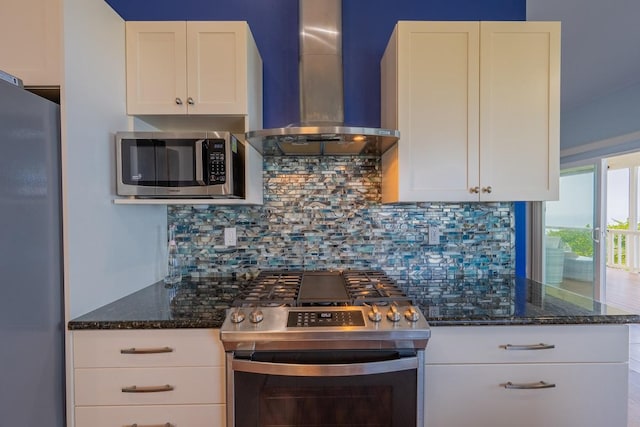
[(149, 425), (540, 346), (134, 350), (527, 386), (178, 101), (150, 389), (474, 190), (190, 101), (487, 189)]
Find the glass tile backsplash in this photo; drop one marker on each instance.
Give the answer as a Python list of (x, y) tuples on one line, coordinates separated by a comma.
[(325, 212)]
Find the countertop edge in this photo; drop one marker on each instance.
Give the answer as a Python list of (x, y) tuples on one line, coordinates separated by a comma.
[(574, 320), (76, 325), (433, 322)]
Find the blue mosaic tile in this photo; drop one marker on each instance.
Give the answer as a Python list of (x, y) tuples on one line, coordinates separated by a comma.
[(326, 212)]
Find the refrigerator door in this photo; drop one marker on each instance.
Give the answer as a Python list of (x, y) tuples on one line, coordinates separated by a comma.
[(31, 302)]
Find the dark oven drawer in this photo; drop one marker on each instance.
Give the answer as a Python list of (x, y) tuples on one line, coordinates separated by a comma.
[(365, 388)]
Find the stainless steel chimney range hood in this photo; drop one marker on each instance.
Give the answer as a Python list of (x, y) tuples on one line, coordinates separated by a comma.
[(322, 130)]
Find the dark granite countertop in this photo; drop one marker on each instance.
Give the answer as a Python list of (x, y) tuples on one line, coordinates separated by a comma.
[(201, 303)]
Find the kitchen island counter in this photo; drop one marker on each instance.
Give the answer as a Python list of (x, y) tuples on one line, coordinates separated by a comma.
[(202, 303)]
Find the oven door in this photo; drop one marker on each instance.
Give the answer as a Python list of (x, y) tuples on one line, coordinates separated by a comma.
[(325, 388), (162, 167)]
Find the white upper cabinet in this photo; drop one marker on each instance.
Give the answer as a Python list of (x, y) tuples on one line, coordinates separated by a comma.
[(204, 68), (156, 67), (520, 110), (31, 34), (430, 93), (477, 106)]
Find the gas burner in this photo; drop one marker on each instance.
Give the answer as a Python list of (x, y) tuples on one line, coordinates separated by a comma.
[(372, 287), (321, 289), (272, 289)]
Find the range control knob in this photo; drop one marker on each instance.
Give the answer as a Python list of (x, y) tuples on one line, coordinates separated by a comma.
[(393, 314), (411, 314), (237, 316), (256, 316), (374, 314)]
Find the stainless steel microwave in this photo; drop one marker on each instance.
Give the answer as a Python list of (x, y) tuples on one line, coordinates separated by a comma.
[(180, 164)]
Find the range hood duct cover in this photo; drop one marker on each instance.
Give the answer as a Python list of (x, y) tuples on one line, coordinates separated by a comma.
[(322, 130)]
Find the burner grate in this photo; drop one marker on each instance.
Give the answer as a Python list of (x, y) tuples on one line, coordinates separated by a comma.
[(372, 287), (272, 288), (349, 287)]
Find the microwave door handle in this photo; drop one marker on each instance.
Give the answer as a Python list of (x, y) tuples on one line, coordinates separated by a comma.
[(199, 162)]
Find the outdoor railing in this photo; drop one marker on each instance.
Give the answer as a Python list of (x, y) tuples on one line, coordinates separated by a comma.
[(623, 246), (623, 249)]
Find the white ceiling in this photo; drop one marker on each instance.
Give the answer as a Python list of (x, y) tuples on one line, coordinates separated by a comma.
[(600, 45)]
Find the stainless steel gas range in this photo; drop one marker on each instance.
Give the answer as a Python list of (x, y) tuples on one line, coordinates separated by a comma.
[(324, 348)]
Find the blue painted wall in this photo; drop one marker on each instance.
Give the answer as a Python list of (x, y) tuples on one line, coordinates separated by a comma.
[(520, 219)]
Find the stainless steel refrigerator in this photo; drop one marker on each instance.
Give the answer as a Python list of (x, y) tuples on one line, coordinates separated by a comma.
[(32, 390)]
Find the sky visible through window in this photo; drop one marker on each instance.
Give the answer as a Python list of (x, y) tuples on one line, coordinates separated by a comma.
[(575, 207), (617, 196)]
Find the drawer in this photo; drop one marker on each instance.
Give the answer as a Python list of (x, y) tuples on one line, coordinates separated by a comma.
[(103, 386), (585, 395), (498, 344), (147, 416), (158, 347)]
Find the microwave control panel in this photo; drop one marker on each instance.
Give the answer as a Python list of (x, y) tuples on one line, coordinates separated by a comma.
[(217, 162)]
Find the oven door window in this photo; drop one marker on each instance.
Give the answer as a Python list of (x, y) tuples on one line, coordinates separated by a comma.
[(163, 163), (385, 399)]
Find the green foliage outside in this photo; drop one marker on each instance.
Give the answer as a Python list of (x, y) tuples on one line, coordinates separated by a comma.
[(580, 240), (619, 225)]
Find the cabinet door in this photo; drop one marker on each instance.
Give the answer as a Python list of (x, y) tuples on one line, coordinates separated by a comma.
[(147, 348), (585, 395), (175, 415), (165, 386), (217, 67), (31, 35), (519, 110), (528, 344), (156, 67), (436, 84)]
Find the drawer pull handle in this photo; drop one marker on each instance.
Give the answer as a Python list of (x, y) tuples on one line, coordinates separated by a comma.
[(150, 425), (134, 350), (527, 386), (540, 346), (150, 389)]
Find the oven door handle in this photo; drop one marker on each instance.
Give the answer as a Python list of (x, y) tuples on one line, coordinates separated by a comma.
[(199, 159), (325, 370)]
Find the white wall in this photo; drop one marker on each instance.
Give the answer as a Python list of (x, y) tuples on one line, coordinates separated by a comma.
[(110, 250)]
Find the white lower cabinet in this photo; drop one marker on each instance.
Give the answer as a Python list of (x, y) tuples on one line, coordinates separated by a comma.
[(475, 395), (143, 416), (149, 386), (527, 376), (148, 378)]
